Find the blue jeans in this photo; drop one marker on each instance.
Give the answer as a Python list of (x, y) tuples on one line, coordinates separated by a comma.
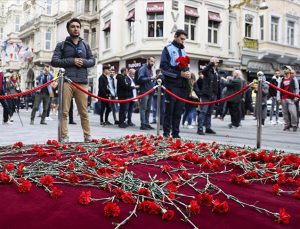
[(154, 108), (145, 109), (275, 104), (204, 117), (189, 114)]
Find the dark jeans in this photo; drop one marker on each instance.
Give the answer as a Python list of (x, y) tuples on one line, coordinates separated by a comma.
[(104, 107), (49, 107), (123, 111), (5, 109), (235, 113), (189, 113), (113, 107), (145, 109), (174, 110), (154, 108), (204, 118), (130, 110), (37, 100), (12, 106)]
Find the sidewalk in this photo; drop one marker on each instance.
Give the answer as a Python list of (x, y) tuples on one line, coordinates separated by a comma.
[(273, 137)]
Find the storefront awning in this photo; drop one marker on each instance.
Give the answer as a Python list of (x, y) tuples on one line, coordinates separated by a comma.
[(191, 11), (131, 15), (155, 7), (212, 16)]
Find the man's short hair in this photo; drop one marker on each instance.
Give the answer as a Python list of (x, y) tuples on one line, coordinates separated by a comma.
[(180, 32), (73, 20), (105, 67), (151, 57), (123, 70)]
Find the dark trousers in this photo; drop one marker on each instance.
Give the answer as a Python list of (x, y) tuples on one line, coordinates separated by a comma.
[(235, 113), (12, 106), (71, 116), (104, 107), (130, 111), (113, 108), (174, 110), (123, 111), (37, 100), (204, 118), (5, 109), (49, 107)]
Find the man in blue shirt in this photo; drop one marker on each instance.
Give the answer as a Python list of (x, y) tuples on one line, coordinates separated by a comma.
[(146, 82), (176, 80)]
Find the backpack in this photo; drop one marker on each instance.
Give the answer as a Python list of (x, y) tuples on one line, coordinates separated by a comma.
[(136, 76)]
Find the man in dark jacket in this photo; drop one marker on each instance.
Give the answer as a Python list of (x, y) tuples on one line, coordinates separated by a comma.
[(209, 86), (146, 82), (3, 101), (104, 92), (123, 92), (176, 80), (276, 79), (75, 55)]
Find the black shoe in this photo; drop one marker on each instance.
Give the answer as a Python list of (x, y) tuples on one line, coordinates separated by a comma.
[(286, 128), (43, 123), (176, 136), (153, 122), (130, 124), (295, 128), (166, 135), (210, 131), (200, 132), (149, 127), (144, 127), (108, 123), (122, 125), (73, 123), (230, 125), (117, 122)]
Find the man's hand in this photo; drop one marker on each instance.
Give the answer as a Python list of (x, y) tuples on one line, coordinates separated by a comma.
[(78, 62), (186, 75)]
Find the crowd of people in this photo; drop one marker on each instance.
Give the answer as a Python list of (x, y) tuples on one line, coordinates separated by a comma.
[(75, 55)]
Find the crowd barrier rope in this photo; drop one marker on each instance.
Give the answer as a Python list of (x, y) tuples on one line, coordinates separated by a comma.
[(10, 96), (283, 91), (112, 100), (210, 102)]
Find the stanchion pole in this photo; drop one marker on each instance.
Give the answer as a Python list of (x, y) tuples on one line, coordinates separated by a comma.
[(259, 109), (159, 82), (60, 102)]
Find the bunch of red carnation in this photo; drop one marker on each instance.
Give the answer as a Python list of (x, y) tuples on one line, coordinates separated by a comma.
[(183, 62)]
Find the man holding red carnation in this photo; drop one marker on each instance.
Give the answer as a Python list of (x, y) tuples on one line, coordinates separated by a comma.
[(174, 65)]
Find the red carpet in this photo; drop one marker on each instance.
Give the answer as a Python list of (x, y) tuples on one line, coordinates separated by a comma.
[(151, 175)]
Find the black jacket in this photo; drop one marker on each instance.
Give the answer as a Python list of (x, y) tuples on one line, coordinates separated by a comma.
[(103, 90), (272, 91), (64, 55), (233, 86), (123, 87), (210, 85)]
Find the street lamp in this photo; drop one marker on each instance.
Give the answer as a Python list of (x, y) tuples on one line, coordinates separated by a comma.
[(263, 5)]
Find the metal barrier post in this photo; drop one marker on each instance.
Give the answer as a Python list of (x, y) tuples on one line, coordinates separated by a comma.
[(259, 110), (60, 102), (159, 82)]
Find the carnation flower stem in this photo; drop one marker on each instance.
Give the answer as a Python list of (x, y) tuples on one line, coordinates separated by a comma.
[(133, 212)]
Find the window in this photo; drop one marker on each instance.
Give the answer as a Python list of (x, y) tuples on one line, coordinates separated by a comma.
[(106, 30), (230, 35), (17, 27), (48, 6), (87, 6), (213, 27), (190, 26), (155, 24), (95, 6), (48, 40), (291, 33), (93, 40), (86, 35), (248, 25), (78, 7), (261, 26), (2, 10), (274, 28), (131, 31)]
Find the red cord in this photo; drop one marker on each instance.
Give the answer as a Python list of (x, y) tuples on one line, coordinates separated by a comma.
[(283, 91)]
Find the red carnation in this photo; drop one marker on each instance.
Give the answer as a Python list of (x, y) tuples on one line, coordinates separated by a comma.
[(204, 199), (4, 178), (9, 167), (194, 208), (284, 217), (220, 207), (20, 169), (171, 187), (149, 207), (56, 193), (166, 169), (144, 192), (111, 210), (297, 193), (183, 62), (18, 145), (85, 198), (276, 189), (25, 186), (128, 198), (185, 175), (168, 215), (119, 192), (47, 180), (73, 178), (91, 164)]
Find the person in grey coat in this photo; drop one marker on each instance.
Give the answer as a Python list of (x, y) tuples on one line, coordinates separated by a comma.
[(75, 55)]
